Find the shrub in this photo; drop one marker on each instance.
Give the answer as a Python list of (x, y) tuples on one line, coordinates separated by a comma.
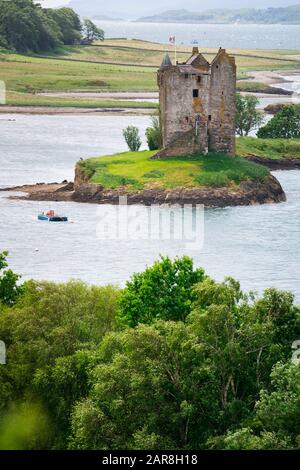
[(285, 124), (132, 138), (247, 116), (9, 287), (154, 134)]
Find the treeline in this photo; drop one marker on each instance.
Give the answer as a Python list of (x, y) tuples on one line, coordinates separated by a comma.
[(173, 361), (26, 26)]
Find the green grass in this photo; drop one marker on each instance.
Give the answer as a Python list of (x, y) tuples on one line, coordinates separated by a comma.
[(269, 148), (254, 87), (135, 171), (34, 75), (29, 99)]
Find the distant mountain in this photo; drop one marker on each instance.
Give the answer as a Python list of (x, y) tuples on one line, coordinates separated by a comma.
[(285, 15)]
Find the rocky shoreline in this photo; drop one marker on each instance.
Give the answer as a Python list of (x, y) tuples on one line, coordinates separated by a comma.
[(248, 193), (287, 163)]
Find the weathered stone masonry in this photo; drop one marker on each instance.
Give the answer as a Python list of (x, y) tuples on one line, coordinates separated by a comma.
[(197, 104)]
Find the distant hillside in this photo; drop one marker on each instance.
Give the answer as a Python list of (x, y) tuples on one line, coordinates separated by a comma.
[(286, 15)]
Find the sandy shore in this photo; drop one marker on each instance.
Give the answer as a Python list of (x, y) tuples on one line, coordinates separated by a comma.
[(271, 78)]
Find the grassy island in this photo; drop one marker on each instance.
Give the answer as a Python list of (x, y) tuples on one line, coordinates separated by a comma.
[(137, 171)]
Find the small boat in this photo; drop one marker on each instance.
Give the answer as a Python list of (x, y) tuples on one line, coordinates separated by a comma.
[(51, 216)]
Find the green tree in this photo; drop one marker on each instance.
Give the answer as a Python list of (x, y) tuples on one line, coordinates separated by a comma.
[(132, 138), (285, 124), (275, 424), (51, 321), (150, 389), (177, 385), (247, 116), (25, 26), (68, 24), (91, 32), (154, 134), (9, 287), (163, 291)]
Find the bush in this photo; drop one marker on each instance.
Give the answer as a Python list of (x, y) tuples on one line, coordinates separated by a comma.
[(247, 116), (154, 134), (132, 138), (285, 124), (9, 288)]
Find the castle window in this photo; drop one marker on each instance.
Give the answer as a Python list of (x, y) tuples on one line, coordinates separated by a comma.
[(217, 66), (186, 75), (195, 93), (222, 92), (199, 79), (209, 117)]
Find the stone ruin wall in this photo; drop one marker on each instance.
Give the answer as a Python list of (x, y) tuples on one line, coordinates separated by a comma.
[(215, 106), (221, 125)]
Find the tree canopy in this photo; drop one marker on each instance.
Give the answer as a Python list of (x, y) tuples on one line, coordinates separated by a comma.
[(285, 124), (193, 364), (27, 27)]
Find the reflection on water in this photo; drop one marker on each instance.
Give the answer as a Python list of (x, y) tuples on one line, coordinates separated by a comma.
[(259, 245)]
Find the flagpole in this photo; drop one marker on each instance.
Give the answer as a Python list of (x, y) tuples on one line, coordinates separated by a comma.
[(175, 50)]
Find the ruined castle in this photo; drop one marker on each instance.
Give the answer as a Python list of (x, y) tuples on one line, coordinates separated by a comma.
[(197, 104)]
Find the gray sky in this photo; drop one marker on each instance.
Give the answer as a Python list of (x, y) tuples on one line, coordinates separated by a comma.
[(137, 8)]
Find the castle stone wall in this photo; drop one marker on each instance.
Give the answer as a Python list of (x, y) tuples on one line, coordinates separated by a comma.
[(197, 105)]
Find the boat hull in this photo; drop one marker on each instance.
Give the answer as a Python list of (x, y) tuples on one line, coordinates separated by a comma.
[(55, 218)]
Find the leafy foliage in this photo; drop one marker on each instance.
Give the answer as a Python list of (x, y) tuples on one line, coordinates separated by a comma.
[(247, 116), (132, 138), (173, 361), (163, 291), (26, 26), (154, 383), (285, 124), (91, 32), (9, 287), (154, 134)]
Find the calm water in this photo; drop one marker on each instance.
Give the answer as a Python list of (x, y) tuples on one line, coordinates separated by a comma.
[(247, 36), (259, 245)]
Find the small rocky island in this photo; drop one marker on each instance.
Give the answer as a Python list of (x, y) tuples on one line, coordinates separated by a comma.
[(215, 180), (197, 163)]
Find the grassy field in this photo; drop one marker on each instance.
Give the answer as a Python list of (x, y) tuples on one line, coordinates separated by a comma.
[(26, 99), (269, 148), (111, 66), (252, 86), (136, 171)]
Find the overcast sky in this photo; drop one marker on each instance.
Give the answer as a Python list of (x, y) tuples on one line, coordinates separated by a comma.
[(138, 7)]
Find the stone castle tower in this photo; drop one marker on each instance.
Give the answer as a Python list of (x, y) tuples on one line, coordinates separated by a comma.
[(197, 104)]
